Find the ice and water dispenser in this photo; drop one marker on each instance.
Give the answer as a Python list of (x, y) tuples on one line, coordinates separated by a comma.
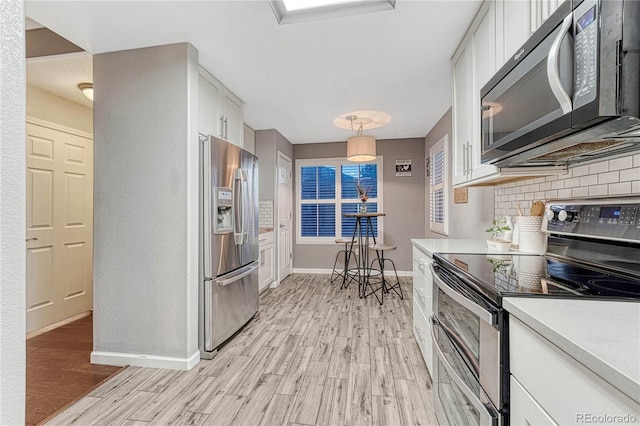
[(223, 210)]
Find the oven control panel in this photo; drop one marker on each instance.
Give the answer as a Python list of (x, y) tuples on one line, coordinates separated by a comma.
[(617, 218)]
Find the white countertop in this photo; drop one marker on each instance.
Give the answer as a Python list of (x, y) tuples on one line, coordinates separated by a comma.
[(604, 336), (454, 245)]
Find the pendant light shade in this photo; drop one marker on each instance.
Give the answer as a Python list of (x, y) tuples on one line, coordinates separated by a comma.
[(361, 148)]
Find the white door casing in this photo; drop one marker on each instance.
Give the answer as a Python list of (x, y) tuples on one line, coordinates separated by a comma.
[(285, 217), (59, 258)]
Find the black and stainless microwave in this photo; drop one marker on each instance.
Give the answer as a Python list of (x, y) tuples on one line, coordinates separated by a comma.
[(571, 93)]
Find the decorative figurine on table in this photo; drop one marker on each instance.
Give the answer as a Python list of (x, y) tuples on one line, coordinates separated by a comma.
[(362, 193)]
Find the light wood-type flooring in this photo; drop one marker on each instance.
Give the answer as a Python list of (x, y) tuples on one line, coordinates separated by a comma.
[(316, 355)]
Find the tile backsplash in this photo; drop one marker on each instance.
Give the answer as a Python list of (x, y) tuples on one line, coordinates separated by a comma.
[(266, 214), (619, 176)]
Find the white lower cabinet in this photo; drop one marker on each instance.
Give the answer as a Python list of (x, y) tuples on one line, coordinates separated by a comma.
[(524, 409), (266, 260), (560, 389), (423, 304)]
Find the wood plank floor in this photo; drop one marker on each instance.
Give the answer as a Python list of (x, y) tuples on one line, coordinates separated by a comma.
[(58, 369), (316, 355)]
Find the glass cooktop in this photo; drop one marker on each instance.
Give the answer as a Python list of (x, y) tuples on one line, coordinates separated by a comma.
[(497, 276)]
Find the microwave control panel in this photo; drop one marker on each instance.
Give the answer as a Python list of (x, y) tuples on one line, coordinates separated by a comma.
[(585, 23)]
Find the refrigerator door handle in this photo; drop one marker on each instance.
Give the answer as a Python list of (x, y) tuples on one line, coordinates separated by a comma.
[(241, 273), (238, 235), (206, 201), (248, 205)]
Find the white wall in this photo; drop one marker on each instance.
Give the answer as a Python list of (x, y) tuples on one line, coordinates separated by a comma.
[(146, 207), (12, 215), (49, 107)]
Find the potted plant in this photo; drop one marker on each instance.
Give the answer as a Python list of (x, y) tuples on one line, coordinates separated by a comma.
[(499, 226), (363, 195)]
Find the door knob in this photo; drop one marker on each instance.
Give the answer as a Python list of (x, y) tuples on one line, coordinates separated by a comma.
[(283, 226), (32, 239)]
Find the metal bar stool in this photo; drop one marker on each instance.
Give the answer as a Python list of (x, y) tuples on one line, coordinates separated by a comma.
[(347, 252), (384, 284)]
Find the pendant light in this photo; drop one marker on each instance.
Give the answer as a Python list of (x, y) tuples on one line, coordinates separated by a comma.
[(360, 148)]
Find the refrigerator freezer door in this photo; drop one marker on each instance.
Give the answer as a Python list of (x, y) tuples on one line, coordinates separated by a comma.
[(230, 301)]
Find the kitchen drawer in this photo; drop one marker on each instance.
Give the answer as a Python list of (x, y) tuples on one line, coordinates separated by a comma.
[(563, 387), (524, 410), (422, 332), (265, 238)]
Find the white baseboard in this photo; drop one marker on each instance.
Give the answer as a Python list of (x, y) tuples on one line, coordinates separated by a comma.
[(274, 284), (57, 324), (151, 361), (328, 272)]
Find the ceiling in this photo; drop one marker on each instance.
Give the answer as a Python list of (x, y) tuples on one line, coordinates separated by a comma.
[(296, 78)]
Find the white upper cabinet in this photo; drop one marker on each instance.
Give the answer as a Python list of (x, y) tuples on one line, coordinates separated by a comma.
[(540, 10), (220, 111), (498, 30)]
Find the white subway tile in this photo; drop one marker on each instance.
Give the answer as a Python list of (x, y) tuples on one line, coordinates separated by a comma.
[(580, 171), (619, 188), (539, 180), (519, 197), (512, 197), (559, 184), (529, 196), (572, 182), (539, 195), (564, 193), (588, 180), (534, 187), (550, 178), (621, 163), (601, 167), (580, 192), (598, 190), (551, 194), (636, 160), (545, 186), (508, 191), (609, 177), (635, 187), (630, 174)]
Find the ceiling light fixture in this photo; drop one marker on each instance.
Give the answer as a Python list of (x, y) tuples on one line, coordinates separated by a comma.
[(293, 11), (86, 89), (360, 148)]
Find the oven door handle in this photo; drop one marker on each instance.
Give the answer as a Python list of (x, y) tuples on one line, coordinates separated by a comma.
[(483, 314), (457, 341), (491, 419)]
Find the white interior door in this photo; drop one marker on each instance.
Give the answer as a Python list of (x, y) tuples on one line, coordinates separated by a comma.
[(284, 217), (59, 224)]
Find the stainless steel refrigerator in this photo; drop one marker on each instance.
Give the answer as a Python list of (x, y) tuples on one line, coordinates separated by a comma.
[(229, 242)]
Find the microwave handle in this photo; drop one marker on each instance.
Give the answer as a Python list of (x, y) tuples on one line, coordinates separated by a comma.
[(552, 67)]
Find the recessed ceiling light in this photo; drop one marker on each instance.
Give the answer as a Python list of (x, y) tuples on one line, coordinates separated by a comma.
[(369, 119), (87, 89), (292, 11)]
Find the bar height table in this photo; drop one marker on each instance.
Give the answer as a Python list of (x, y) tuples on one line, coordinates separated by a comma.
[(363, 247)]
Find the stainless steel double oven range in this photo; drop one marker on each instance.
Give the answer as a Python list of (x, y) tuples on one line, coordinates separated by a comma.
[(593, 251)]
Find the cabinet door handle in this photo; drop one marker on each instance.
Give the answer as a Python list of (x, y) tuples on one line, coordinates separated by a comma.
[(226, 128), (32, 239), (464, 159), (221, 126), (470, 160)]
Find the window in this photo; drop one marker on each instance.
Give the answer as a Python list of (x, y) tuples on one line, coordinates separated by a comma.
[(438, 183), (327, 190)]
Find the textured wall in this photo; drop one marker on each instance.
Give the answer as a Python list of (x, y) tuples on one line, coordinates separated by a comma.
[(466, 220), (403, 201), (146, 202), (52, 108), (12, 216), (620, 176)]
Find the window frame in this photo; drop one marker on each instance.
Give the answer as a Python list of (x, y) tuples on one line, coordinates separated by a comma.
[(441, 145), (338, 201)]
